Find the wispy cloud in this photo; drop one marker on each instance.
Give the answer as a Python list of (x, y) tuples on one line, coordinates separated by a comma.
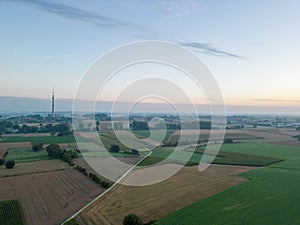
[(205, 47), (127, 28), (273, 100), (66, 11), (180, 7)]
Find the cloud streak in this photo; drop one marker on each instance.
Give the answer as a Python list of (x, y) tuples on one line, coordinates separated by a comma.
[(111, 24), (80, 15), (200, 47)]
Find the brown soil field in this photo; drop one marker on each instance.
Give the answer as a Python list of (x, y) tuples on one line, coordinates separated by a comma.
[(5, 146), (288, 143), (34, 167), (49, 198), (155, 201)]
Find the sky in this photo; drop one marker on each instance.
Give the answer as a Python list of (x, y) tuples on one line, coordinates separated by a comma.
[(252, 48)]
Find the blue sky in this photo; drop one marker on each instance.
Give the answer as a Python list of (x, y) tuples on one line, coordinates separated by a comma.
[(251, 47)]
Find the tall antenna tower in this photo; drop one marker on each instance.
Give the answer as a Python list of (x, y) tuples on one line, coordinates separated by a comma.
[(52, 114)]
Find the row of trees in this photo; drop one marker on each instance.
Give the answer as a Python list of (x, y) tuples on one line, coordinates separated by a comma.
[(60, 129), (56, 152), (94, 177)]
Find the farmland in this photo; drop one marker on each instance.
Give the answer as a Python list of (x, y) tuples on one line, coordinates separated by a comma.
[(156, 134), (34, 167), (253, 198), (223, 157), (39, 139), (49, 190), (270, 196), (48, 198), (26, 155), (5, 146), (154, 201), (11, 213)]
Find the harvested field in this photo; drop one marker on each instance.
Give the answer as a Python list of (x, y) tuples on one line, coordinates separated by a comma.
[(48, 198), (34, 167), (155, 201), (5, 146)]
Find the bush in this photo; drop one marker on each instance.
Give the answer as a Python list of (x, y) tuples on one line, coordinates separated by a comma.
[(10, 164), (71, 222), (114, 148), (132, 219), (37, 147), (228, 141), (2, 161), (54, 150), (105, 184)]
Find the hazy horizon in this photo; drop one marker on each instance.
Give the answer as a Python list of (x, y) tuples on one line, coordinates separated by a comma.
[(24, 104)]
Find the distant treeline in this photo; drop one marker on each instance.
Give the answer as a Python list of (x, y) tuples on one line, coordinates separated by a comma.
[(60, 129)]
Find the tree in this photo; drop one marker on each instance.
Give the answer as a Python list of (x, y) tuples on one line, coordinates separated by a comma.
[(114, 148), (132, 219), (54, 150), (139, 125), (228, 141), (10, 164), (37, 147), (97, 125), (2, 161)]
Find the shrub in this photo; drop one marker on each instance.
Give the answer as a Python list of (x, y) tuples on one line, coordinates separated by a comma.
[(2, 161), (37, 147), (105, 184), (114, 148), (132, 219), (71, 222), (10, 164), (228, 141)]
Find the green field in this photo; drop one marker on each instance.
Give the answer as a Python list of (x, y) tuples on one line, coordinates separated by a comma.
[(205, 137), (26, 155), (156, 134), (39, 139), (11, 213), (270, 196), (223, 157), (263, 149)]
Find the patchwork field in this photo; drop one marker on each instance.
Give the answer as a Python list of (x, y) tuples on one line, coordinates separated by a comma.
[(48, 198), (154, 201), (270, 196)]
